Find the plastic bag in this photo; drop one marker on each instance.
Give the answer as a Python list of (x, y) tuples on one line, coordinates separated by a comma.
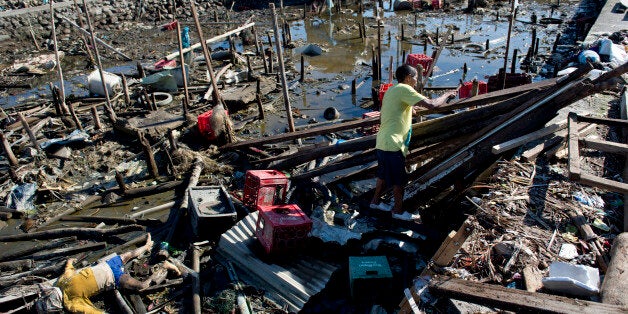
[(21, 197), (50, 300)]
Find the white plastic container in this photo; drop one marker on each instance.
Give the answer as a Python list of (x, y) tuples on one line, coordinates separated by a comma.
[(577, 280), (112, 81)]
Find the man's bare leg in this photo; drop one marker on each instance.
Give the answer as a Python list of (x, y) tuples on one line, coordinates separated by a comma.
[(379, 187), (127, 256), (398, 197)]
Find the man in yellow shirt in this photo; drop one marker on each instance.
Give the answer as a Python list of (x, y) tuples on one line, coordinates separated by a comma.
[(393, 138), (79, 285)]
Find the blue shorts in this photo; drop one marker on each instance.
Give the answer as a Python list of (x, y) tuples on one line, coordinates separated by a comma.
[(115, 263), (391, 167)]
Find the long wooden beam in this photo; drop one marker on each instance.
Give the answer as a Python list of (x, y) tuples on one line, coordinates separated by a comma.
[(210, 40), (516, 300)]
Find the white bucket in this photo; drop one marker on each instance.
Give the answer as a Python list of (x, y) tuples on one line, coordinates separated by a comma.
[(112, 81)]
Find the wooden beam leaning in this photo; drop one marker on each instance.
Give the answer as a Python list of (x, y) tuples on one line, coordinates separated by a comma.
[(516, 300), (210, 40), (516, 142), (572, 144)]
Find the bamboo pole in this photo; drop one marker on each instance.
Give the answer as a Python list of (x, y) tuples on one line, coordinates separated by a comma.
[(286, 98), (208, 58), (510, 22), (83, 39), (110, 112), (186, 100), (94, 39), (59, 71), (28, 131)]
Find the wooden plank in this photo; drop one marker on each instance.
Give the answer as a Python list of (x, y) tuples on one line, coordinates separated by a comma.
[(572, 145), (304, 133), (532, 277), (606, 121), (603, 183), (516, 300), (605, 146), (615, 284), (535, 151), (516, 142)]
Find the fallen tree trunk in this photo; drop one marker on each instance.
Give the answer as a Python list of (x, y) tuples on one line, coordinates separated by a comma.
[(90, 233)]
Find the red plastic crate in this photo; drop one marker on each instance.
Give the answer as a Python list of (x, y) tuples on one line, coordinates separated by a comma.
[(382, 90), (415, 59), (264, 188), (281, 228), (465, 89), (203, 122), (374, 129)]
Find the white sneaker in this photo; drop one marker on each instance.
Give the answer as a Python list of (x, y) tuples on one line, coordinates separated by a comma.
[(381, 206), (406, 216)]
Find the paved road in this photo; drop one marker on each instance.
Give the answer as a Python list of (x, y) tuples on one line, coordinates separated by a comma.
[(609, 21), (10, 13)]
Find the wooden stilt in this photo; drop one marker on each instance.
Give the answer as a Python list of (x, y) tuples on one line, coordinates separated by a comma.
[(96, 118), (172, 141), (260, 107), (74, 116), (8, 151), (150, 158), (59, 71), (186, 99), (286, 98), (257, 46), (302, 69), (208, 57), (108, 106), (28, 130), (510, 23), (125, 89), (120, 180)]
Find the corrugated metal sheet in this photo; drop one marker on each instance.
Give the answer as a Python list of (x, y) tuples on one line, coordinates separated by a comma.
[(291, 282)]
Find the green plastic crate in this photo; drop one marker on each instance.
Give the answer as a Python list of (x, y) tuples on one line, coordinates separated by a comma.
[(369, 276)]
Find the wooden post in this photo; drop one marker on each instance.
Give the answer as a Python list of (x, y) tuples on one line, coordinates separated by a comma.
[(150, 158), (379, 49), (302, 69), (510, 22), (390, 70), (125, 89), (208, 57), (55, 99), (186, 100), (108, 107), (353, 86), (7, 150), (196, 266), (172, 141), (304, 10), (513, 64), (402, 32), (249, 68), (270, 55), (74, 116), (59, 71), (28, 130), (536, 47), (140, 70), (257, 47), (96, 118), (437, 36), (260, 107), (120, 180), (556, 43), (85, 42), (286, 98), (487, 45)]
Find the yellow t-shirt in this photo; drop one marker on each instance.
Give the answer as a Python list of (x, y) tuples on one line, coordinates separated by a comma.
[(396, 118)]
